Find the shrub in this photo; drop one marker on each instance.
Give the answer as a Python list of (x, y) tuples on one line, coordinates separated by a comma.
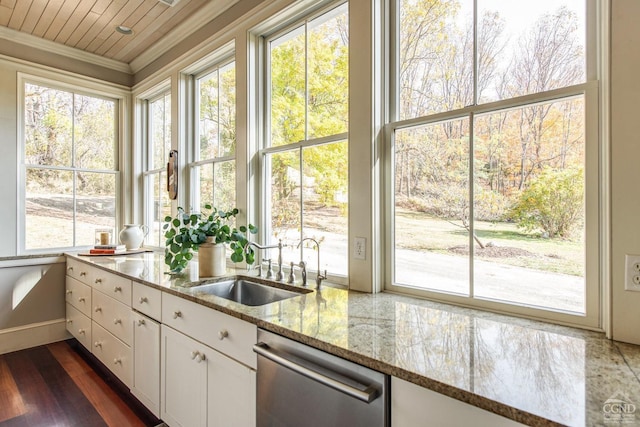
[(553, 202)]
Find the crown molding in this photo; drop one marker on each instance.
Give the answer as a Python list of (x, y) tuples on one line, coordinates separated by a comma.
[(189, 26), (60, 49)]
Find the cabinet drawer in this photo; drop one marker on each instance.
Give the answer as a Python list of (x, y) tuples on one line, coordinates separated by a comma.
[(147, 300), (111, 284), (112, 315), (79, 326), (227, 334), (113, 353), (78, 270), (78, 295)]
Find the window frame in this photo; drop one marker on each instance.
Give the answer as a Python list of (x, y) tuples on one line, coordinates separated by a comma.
[(74, 86), (147, 158), (596, 177), (193, 163), (265, 149)]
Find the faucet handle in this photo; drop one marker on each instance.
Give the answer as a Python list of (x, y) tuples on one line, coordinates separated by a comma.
[(269, 270), (292, 276)]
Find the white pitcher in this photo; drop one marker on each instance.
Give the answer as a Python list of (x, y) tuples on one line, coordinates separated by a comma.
[(132, 235)]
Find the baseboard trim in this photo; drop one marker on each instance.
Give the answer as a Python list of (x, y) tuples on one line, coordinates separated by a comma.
[(32, 335)]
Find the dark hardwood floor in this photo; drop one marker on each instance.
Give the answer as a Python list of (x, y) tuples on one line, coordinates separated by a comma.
[(59, 385)]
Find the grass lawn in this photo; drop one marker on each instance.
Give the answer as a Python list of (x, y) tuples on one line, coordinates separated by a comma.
[(422, 232)]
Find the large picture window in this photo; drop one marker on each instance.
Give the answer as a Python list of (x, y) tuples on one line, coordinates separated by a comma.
[(70, 166), (305, 154), (494, 165)]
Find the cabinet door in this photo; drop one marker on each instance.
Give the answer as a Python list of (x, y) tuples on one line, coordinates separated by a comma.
[(412, 405), (232, 393), (183, 380), (146, 362)]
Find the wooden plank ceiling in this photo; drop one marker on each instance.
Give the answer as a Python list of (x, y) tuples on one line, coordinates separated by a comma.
[(90, 25)]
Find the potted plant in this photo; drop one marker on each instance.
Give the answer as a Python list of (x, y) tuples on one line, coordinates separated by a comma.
[(187, 233)]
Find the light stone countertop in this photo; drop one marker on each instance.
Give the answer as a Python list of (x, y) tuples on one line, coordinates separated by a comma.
[(532, 372)]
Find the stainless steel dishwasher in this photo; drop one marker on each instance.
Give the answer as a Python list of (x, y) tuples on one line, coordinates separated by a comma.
[(300, 386)]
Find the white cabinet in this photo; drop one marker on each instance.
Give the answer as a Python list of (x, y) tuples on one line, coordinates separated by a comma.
[(113, 353), (229, 396), (184, 380), (146, 362), (412, 405)]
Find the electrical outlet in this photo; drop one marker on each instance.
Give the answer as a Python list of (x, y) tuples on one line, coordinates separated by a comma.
[(632, 273), (359, 248)]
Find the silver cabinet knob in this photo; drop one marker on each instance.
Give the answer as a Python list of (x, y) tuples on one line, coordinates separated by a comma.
[(69, 291), (141, 322), (143, 300), (197, 356), (81, 299), (97, 309), (97, 344), (177, 314), (223, 334), (81, 331), (116, 321), (117, 361), (98, 280), (82, 273), (117, 289), (69, 268), (69, 321)]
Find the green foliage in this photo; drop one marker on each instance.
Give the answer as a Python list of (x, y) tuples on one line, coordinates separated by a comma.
[(553, 202), (186, 232)]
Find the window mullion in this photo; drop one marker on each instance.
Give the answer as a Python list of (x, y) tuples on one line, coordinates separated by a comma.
[(471, 204)]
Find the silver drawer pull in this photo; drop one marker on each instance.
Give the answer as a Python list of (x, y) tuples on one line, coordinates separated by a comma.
[(69, 268), (81, 299), (310, 370), (83, 273), (97, 309), (141, 322), (116, 321), (117, 361), (143, 300), (98, 280), (223, 334), (177, 314), (69, 291), (81, 331), (69, 320), (117, 289), (97, 344)]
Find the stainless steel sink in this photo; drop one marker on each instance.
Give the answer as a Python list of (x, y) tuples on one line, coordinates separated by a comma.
[(245, 292)]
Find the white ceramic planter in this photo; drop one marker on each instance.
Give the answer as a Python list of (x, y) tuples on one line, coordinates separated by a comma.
[(212, 259)]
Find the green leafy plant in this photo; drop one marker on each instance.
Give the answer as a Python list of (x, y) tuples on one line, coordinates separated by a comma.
[(553, 202), (186, 232)]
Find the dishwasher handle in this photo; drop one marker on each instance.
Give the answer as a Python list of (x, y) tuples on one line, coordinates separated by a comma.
[(310, 370)]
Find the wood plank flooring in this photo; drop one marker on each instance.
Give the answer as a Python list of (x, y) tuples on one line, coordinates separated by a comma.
[(55, 385)]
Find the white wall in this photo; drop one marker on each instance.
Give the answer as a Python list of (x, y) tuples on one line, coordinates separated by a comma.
[(625, 163)]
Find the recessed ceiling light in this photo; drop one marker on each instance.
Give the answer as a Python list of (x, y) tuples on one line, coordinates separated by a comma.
[(124, 30)]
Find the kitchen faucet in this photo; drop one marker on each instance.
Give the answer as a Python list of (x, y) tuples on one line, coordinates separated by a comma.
[(319, 277), (279, 274)]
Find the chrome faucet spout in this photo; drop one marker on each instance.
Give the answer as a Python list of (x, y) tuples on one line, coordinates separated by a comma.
[(319, 277), (279, 246)]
